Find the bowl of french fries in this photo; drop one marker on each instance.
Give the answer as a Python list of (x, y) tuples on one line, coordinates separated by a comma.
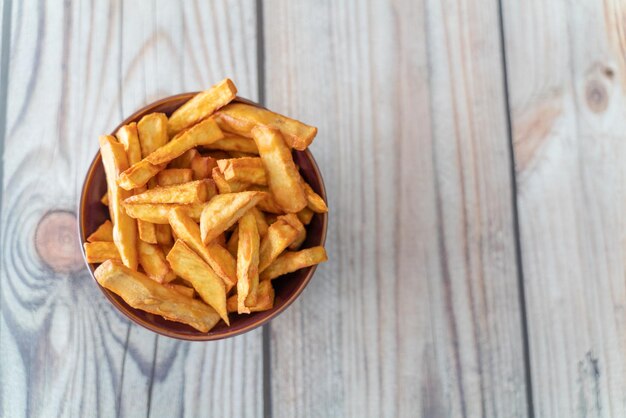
[(204, 215)]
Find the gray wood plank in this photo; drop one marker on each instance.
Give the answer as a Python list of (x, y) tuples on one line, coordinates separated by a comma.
[(76, 69), (567, 74), (417, 312)]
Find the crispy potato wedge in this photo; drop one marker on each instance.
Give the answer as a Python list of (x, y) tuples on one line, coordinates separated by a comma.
[(224, 186), (138, 175), (314, 201), (190, 266), (182, 289), (247, 263), (201, 106), (186, 193), (203, 133), (164, 234), (184, 161), (224, 210), (115, 161), (172, 176), (203, 167), (264, 300), (279, 235), (105, 199), (283, 177), (103, 233), (101, 251), (152, 259), (244, 170), (147, 231), (158, 214), (214, 254), (233, 142), (143, 293), (242, 118), (152, 130), (292, 261), (305, 215)]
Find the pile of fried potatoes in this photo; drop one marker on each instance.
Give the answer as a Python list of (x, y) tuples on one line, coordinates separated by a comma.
[(206, 208)]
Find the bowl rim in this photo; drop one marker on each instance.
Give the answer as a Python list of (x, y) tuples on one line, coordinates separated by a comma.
[(122, 307)]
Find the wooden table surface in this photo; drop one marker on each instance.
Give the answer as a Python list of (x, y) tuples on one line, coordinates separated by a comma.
[(473, 153)]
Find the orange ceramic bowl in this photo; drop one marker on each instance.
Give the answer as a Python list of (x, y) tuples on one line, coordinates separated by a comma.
[(92, 213)]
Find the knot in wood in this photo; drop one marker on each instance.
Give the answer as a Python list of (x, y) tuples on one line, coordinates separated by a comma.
[(56, 241), (597, 96)]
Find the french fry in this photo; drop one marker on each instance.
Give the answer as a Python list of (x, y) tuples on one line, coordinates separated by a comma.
[(279, 235), (103, 233), (202, 167), (184, 161), (143, 293), (225, 186), (233, 242), (267, 204), (305, 215), (214, 254), (100, 251), (261, 223), (182, 289), (153, 261), (139, 174), (171, 176), (105, 199), (233, 142), (147, 231), (292, 261), (186, 193), (294, 221), (247, 263), (152, 130), (283, 177), (264, 300), (203, 133), (223, 211), (244, 170), (115, 161), (201, 106), (127, 136), (190, 266), (314, 201), (158, 214), (242, 118), (211, 188), (163, 234)]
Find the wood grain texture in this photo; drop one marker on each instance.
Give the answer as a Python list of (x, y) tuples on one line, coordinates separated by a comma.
[(75, 70), (567, 83), (417, 312)]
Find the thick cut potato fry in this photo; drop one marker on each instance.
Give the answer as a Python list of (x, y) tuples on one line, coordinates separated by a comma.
[(203, 133), (247, 263), (292, 261), (279, 235), (201, 106), (147, 231), (164, 234), (115, 161), (234, 143), (268, 204), (245, 170), (295, 222), (305, 215), (158, 214), (224, 186), (143, 293), (103, 233), (152, 130), (127, 136), (264, 300), (105, 199), (186, 193), (218, 257), (138, 174), (172, 176), (242, 118), (101, 251), (190, 266), (182, 289), (153, 261), (223, 211), (203, 167), (314, 201), (283, 177), (261, 223), (184, 161)]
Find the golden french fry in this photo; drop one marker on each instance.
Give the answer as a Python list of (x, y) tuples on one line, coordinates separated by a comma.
[(158, 214), (264, 300), (147, 231), (153, 261), (224, 186), (127, 136), (314, 201), (115, 161), (190, 266), (202, 167), (171, 176), (143, 293), (242, 118), (234, 143), (292, 261), (184, 161), (261, 223), (103, 233), (279, 235), (186, 193), (244, 170), (201, 106), (138, 174), (233, 242), (182, 289), (100, 251), (152, 130), (283, 177), (224, 210), (294, 221), (305, 215), (105, 199), (247, 263), (214, 254), (203, 133), (163, 234), (268, 203)]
